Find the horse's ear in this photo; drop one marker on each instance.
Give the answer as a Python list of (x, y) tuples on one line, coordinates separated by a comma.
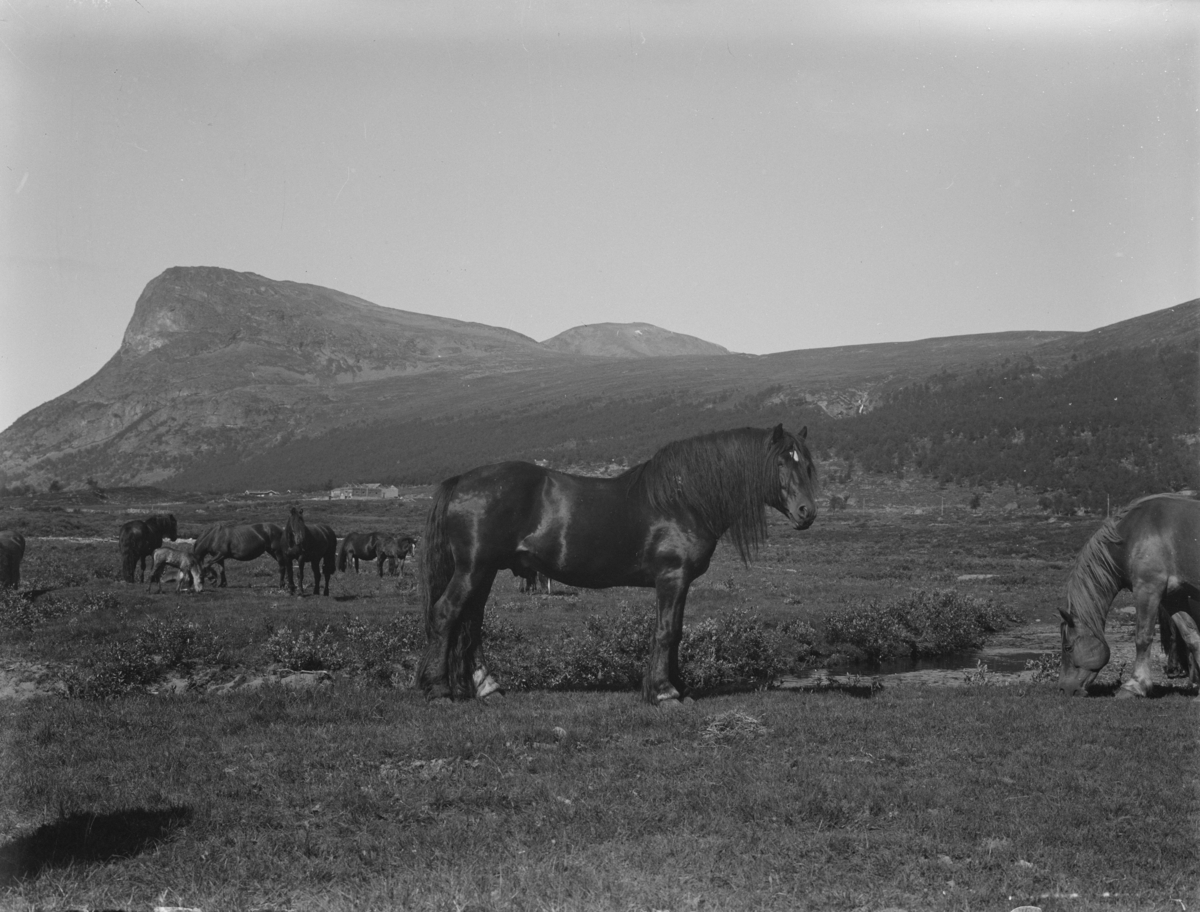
[(803, 435), (777, 433)]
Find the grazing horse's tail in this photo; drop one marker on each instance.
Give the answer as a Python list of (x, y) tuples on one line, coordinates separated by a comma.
[(437, 564)]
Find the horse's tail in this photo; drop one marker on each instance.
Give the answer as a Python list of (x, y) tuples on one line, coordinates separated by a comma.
[(436, 563)]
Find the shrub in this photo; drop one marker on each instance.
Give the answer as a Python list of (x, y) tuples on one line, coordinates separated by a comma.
[(735, 648), (373, 650), (610, 653), (920, 625), (18, 610), (1045, 668), (156, 648), (305, 650)]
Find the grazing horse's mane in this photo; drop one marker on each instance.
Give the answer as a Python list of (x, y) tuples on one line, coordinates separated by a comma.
[(724, 478), (1096, 577)]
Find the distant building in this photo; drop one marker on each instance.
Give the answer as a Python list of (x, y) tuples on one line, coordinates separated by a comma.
[(261, 494), (373, 491)]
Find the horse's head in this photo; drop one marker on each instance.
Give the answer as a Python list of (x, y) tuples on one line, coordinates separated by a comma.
[(796, 496), (294, 534), (1084, 653)]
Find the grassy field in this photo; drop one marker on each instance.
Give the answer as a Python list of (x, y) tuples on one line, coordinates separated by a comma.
[(352, 793)]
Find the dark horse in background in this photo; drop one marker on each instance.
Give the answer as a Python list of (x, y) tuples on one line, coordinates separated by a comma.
[(396, 549), (1151, 547), (314, 544), (374, 546), (140, 538), (657, 525), (12, 550), (240, 541)]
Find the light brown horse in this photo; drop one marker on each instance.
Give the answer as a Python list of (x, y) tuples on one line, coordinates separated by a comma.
[(1152, 547), (12, 550), (178, 556)]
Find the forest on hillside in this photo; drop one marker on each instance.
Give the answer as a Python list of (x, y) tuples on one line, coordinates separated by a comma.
[(1116, 426), (1106, 428)]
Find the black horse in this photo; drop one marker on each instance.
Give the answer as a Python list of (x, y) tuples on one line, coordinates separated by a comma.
[(314, 544), (374, 546), (242, 542), (656, 525), (140, 538), (12, 550)]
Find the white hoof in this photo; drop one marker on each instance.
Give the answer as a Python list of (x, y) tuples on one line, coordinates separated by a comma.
[(1131, 689), (485, 684)]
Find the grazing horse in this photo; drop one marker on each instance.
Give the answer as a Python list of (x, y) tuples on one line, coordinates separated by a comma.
[(242, 542), (180, 557), (657, 525), (140, 538), (396, 549), (358, 546), (12, 550), (315, 544), (1151, 547)]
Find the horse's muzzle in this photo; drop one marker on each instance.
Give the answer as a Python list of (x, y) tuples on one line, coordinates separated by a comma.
[(803, 517)]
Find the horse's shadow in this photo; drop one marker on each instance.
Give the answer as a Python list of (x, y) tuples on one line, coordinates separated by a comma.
[(86, 838)]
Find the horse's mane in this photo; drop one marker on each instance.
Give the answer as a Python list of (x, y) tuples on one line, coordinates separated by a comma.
[(724, 478), (1096, 578)]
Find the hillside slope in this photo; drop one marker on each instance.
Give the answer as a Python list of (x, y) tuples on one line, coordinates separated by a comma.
[(227, 379)]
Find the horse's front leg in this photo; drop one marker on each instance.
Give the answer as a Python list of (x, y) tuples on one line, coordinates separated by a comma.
[(662, 682), (1147, 595)]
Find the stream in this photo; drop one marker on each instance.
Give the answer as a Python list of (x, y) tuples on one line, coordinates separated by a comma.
[(1005, 656)]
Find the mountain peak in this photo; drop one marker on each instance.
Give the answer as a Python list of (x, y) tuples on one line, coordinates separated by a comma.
[(630, 340)]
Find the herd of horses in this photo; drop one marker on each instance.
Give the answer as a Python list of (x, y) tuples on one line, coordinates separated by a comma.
[(295, 542), (657, 526)]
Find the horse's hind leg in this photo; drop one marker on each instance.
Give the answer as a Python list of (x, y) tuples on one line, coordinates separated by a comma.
[(1187, 631), (328, 566), (454, 628)]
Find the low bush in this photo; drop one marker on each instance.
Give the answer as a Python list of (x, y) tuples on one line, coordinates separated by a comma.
[(610, 653), (156, 648), (735, 648), (923, 624), (306, 650), (20, 610)]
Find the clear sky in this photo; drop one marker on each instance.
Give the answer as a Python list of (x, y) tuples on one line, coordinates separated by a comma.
[(769, 176)]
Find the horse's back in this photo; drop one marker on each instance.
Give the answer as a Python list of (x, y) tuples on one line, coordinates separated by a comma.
[(1165, 528), (325, 539), (580, 530)]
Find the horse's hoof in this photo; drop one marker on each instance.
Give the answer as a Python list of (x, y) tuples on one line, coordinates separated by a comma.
[(1128, 693), (672, 703)]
